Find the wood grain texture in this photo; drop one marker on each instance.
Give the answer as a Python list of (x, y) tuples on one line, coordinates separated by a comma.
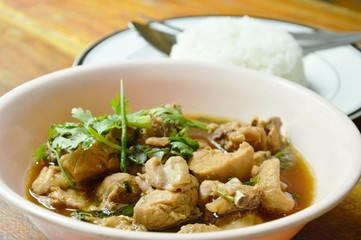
[(42, 36)]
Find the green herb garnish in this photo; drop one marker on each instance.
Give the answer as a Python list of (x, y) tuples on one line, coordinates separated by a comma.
[(174, 116), (178, 146), (126, 210), (286, 157), (225, 195), (123, 153), (66, 137), (251, 182)]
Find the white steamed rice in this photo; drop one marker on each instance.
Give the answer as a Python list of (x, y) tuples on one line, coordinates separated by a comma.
[(244, 41)]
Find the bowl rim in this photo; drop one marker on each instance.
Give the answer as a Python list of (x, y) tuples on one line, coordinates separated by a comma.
[(291, 221)]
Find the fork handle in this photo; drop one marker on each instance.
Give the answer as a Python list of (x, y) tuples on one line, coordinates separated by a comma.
[(311, 45)]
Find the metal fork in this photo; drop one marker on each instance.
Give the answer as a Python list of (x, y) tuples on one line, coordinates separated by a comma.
[(163, 39)]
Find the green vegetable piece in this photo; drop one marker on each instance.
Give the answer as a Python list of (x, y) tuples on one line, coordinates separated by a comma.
[(225, 195), (286, 158), (126, 210), (251, 182), (123, 153), (186, 140), (84, 116), (40, 153), (175, 116)]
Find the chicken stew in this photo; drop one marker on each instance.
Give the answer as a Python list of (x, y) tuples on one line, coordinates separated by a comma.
[(159, 170)]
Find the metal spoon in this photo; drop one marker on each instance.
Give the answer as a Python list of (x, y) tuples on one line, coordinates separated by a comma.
[(163, 40)]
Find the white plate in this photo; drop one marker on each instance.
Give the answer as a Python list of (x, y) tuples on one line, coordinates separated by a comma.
[(334, 73)]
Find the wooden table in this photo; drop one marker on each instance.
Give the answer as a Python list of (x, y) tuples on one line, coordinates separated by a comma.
[(41, 36)]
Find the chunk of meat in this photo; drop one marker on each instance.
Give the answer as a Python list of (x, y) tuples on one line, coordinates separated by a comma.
[(118, 188), (273, 198), (163, 209), (256, 136), (223, 198), (161, 128), (238, 219), (221, 206), (173, 175), (247, 197), (199, 227), (274, 136), (143, 184), (119, 222), (260, 156), (70, 198), (83, 165), (227, 136), (207, 191), (49, 177), (157, 141), (213, 164), (230, 135)]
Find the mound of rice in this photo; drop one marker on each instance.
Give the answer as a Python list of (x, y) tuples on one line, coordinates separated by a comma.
[(244, 41)]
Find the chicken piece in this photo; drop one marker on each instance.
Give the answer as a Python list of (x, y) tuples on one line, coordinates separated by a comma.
[(83, 165), (172, 176), (207, 191), (119, 222), (255, 170), (230, 135), (221, 206), (227, 136), (49, 177), (118, 188), (157, 141), (160, 127), (70, 198), (163, 209), (228, 197), (273, 198), (274, 136), (199, 227), (247, 197), (213, 164), (255, 136), (238, 219), (260, 156), (143, 184)]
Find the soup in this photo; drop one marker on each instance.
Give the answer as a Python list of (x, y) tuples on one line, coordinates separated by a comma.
[(159, 170)]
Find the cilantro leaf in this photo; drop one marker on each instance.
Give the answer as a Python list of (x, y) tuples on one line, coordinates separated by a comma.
[(40, 153), (84, 116), (174, 116), (83, 215)]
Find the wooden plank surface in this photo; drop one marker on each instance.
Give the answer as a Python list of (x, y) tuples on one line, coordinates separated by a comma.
[(42, 36)]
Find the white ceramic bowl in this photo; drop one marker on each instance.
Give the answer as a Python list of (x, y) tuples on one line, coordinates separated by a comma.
[(327, 138)]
